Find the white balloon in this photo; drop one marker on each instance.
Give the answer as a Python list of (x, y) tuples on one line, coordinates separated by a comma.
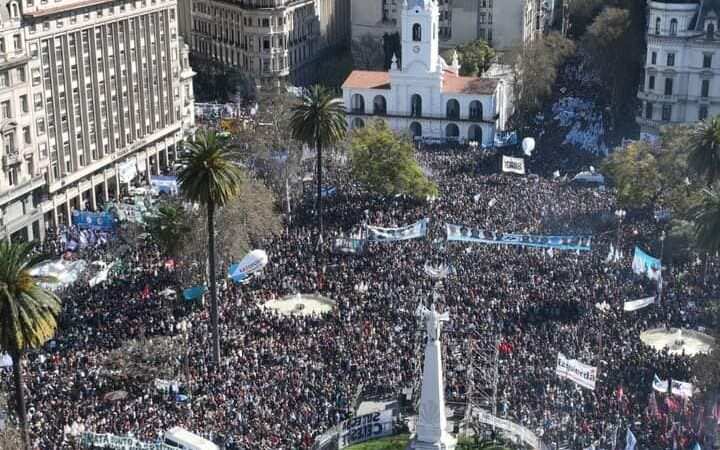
[(528, 145)]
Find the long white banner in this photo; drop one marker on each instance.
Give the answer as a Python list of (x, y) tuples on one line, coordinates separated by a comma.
[(363, 428), (513, 165), (638, 304), (578, 372), (417, 230), (679, 388)]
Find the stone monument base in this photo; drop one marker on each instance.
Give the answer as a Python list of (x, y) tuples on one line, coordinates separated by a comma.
[(448, 443)]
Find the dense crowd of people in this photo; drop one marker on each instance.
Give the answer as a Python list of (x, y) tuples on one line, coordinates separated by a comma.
[(284, 380)]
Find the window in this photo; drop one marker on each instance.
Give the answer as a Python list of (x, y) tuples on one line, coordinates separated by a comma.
[(17, 42), (653, 58), (668, 86), (9, 143), (416, 106), (667, 112), (24, 104), (357, 103), (4, 79), (671, 59), (452, 109), (651, 82), (37, 99), (40, 127), (673, 27), (657, 25), (703, 112), (5, 109), (705, 88), (26, 135), (649, 111), (417, 32), (707, 60), (710, 31)]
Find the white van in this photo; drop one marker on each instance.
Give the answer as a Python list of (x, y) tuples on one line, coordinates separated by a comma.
[(182, 438)]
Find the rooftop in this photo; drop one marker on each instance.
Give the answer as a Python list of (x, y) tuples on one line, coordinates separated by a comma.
[(452, 84)]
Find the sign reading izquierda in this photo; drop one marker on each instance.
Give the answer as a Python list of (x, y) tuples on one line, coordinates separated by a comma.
[(366, 427)]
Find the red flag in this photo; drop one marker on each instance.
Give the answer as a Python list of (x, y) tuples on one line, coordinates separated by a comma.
[(146, 292), (170, 264), (619, 393)]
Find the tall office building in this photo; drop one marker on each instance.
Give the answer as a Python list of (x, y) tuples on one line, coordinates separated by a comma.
[(94, 88), (271, 40), (505, 24)]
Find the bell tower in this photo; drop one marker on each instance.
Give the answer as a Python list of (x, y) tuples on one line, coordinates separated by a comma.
[(420, 22)]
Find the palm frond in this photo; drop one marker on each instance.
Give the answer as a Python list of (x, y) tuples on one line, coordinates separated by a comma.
[(707, 221), (319, 117)]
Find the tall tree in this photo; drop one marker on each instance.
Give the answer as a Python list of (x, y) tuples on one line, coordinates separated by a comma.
[(28, 314), (385, 163), (168, 227), (634, 171), (704, 156), (318, 120), (707, 221), (211, 179)]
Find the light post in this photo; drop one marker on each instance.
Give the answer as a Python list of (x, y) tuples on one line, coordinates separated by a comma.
[(620, 215), (184, 326)]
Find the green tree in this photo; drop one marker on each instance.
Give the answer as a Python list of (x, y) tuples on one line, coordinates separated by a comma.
[(168, 227), (704, 144), (319, 121), (707, 221), (385, 163), (211, 179), (475, 58), (707, 371), (535, 72), (634, 170), (28, 314)]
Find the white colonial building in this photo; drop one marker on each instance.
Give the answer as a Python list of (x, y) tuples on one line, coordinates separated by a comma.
[(682, 66), (424, 95)]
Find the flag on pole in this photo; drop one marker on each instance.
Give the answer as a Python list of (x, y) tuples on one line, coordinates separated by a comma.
[(630, 441)]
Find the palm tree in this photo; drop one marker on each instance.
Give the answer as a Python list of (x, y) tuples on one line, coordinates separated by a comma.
[(168, 228), (28, 314), (318, 120), (704, 157), (707, 221), (210, 178)]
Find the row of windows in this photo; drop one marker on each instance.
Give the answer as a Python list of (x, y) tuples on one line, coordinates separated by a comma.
[(666, 112), (669, 82), (673, 27), (452, 107), (670, 59)]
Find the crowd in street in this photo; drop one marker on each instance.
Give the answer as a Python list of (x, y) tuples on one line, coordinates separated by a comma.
[(284, 380)]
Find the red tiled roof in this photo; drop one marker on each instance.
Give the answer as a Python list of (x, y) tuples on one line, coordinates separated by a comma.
[(366, 79), (68, 6), (454, 84)]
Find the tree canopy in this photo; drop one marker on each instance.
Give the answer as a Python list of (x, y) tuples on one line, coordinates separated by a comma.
[(475, 58), (384, 163)]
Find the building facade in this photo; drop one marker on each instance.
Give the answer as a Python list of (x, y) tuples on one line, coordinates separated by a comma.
[(505, 24), (271, 40), (682, 65), (426, 97), (93, 86)]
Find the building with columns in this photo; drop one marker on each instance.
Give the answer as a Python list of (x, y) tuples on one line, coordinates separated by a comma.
[(93, 85), (271, 40), (424, 96), (682, 64), (504, 24)]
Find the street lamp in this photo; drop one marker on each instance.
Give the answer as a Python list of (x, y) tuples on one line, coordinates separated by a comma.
[(185, 327), (620, 215)]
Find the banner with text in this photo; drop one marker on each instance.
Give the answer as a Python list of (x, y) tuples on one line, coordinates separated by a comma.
[(86, 220), (644, 264), (467, 234), (576, 371), (417, 230), (513, 165), (366, 427), (638, 304), (348, 246), (679, 388)]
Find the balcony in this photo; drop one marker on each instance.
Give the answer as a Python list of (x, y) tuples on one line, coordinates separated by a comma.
[(11, 159)]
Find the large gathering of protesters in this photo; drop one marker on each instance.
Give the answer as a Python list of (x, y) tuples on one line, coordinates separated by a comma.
[(283, 380)]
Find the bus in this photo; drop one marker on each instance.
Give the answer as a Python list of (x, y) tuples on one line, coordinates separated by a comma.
[(182, 438)]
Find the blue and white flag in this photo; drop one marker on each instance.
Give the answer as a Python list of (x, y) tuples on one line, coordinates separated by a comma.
[(630, 440), (328, 191), (696, 446), (468, 234), (644, 264), (417, 230)]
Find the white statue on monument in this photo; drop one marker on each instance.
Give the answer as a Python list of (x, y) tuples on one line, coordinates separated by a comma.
[(431, 431)]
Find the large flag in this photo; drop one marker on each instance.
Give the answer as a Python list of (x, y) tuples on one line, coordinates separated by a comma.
[(679, 388), (638, 304), (630, 440), (644, 264)]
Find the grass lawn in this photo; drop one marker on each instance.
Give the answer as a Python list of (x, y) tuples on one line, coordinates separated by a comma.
[(398, 442)]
